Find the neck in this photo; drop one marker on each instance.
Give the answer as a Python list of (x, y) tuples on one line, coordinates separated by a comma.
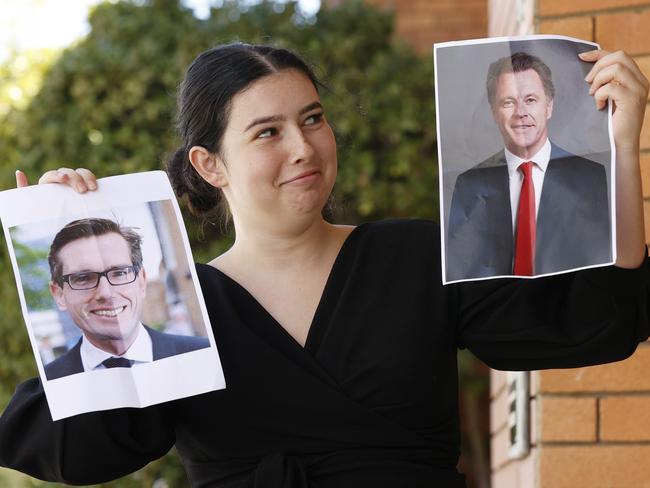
[(289, 246), (116, 347), (527, 152)]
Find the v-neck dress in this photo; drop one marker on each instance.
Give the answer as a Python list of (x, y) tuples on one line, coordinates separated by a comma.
[(370, 401)]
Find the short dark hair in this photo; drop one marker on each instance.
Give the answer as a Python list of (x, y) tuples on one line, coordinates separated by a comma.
[(82, 228), (204, 101), (517, 63)]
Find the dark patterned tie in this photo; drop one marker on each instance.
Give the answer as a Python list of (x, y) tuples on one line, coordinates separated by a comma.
[(525, 235), (117, 363)]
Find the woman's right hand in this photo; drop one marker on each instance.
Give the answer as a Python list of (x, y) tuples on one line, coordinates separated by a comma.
[(80, 179)]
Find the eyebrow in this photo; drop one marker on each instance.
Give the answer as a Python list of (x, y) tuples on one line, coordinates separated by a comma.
[(276, 118)]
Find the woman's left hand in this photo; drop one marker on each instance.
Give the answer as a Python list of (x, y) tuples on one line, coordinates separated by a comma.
[(616, 77)]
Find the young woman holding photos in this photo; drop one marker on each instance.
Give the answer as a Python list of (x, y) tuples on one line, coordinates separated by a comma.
[(338, 343)]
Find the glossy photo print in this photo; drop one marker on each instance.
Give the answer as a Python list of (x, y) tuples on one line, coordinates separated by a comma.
[(525, 159), (109, 294)]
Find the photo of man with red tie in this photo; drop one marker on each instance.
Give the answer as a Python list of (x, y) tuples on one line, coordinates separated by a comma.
[(532, 208)]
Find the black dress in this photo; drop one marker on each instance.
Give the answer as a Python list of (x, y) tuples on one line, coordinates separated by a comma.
[(370, 401)]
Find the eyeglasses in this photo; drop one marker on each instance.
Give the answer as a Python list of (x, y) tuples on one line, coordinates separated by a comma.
[(90, 279)]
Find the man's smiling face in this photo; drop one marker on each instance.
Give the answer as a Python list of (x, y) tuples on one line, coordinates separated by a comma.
[(521, 110), (108, 315)]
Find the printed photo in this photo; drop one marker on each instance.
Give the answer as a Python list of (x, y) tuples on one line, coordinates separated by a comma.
[(526, 173), (109, 295)]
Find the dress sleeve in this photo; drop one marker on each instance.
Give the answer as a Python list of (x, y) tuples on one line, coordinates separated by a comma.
[(583, 318), (84, 449)]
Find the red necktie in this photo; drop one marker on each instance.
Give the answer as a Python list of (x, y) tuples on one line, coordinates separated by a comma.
[(525, 235)]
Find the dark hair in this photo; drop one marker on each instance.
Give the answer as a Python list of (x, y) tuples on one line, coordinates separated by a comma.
[(204, 101), (82, 228), (517, 63)]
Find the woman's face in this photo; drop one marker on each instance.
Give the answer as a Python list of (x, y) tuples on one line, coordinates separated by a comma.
[(279, 151)]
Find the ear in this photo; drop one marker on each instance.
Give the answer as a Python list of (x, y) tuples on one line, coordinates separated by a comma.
[(209, 166), (549, 109), (57, 294)]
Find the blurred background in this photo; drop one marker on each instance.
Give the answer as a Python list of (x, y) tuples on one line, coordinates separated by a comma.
[(90, 83)]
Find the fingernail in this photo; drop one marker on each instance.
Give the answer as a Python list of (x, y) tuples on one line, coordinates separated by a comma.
[(92, 186)]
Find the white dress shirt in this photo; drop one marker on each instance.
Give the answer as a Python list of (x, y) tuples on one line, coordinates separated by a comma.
[(516, 177), (141, 351)]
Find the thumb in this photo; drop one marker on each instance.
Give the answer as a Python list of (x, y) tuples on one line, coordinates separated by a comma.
[(21, 179)]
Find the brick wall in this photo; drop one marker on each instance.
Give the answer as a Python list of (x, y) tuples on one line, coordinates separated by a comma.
[(420, 23), (590, 426), (594, 424)]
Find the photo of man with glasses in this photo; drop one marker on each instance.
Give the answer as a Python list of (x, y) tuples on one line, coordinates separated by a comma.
[(98, 278)]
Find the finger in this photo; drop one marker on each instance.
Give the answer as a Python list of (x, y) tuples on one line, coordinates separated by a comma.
[(619, 57), (53, 176), (74, 179), (89, 178), (607, 92), (593, 56), (21, 179), (616, 74)]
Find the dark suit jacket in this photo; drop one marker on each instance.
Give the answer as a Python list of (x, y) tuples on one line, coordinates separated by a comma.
[(163, 345), (573, 225)]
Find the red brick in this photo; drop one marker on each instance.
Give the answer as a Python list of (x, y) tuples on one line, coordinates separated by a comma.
[(624, 30), (580, 27), (629, 375), (567, 419), (599, 466), (646, 211), (534, 420), (559, 7), (625, 418)]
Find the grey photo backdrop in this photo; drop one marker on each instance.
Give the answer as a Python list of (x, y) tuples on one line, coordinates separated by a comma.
[(468, 134)]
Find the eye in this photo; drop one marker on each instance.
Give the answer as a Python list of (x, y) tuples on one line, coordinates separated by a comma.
[(82, 278), (314, 119), (530, 100), (266, 133), (507, 103), (119, 272)]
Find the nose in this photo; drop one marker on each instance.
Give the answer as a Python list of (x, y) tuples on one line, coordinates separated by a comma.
[(104, 288), (300, 148), (520, 110)]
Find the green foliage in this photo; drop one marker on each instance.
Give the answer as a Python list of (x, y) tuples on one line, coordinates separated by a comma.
[(108, 104), (35, 275)]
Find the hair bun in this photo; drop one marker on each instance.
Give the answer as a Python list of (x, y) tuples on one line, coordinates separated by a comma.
[(202, 197)]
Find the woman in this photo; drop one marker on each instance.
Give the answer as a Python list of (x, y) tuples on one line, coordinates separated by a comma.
[(338, 344)]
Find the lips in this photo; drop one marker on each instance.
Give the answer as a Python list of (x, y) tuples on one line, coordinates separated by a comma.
[(108, 312), (301, 176)]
